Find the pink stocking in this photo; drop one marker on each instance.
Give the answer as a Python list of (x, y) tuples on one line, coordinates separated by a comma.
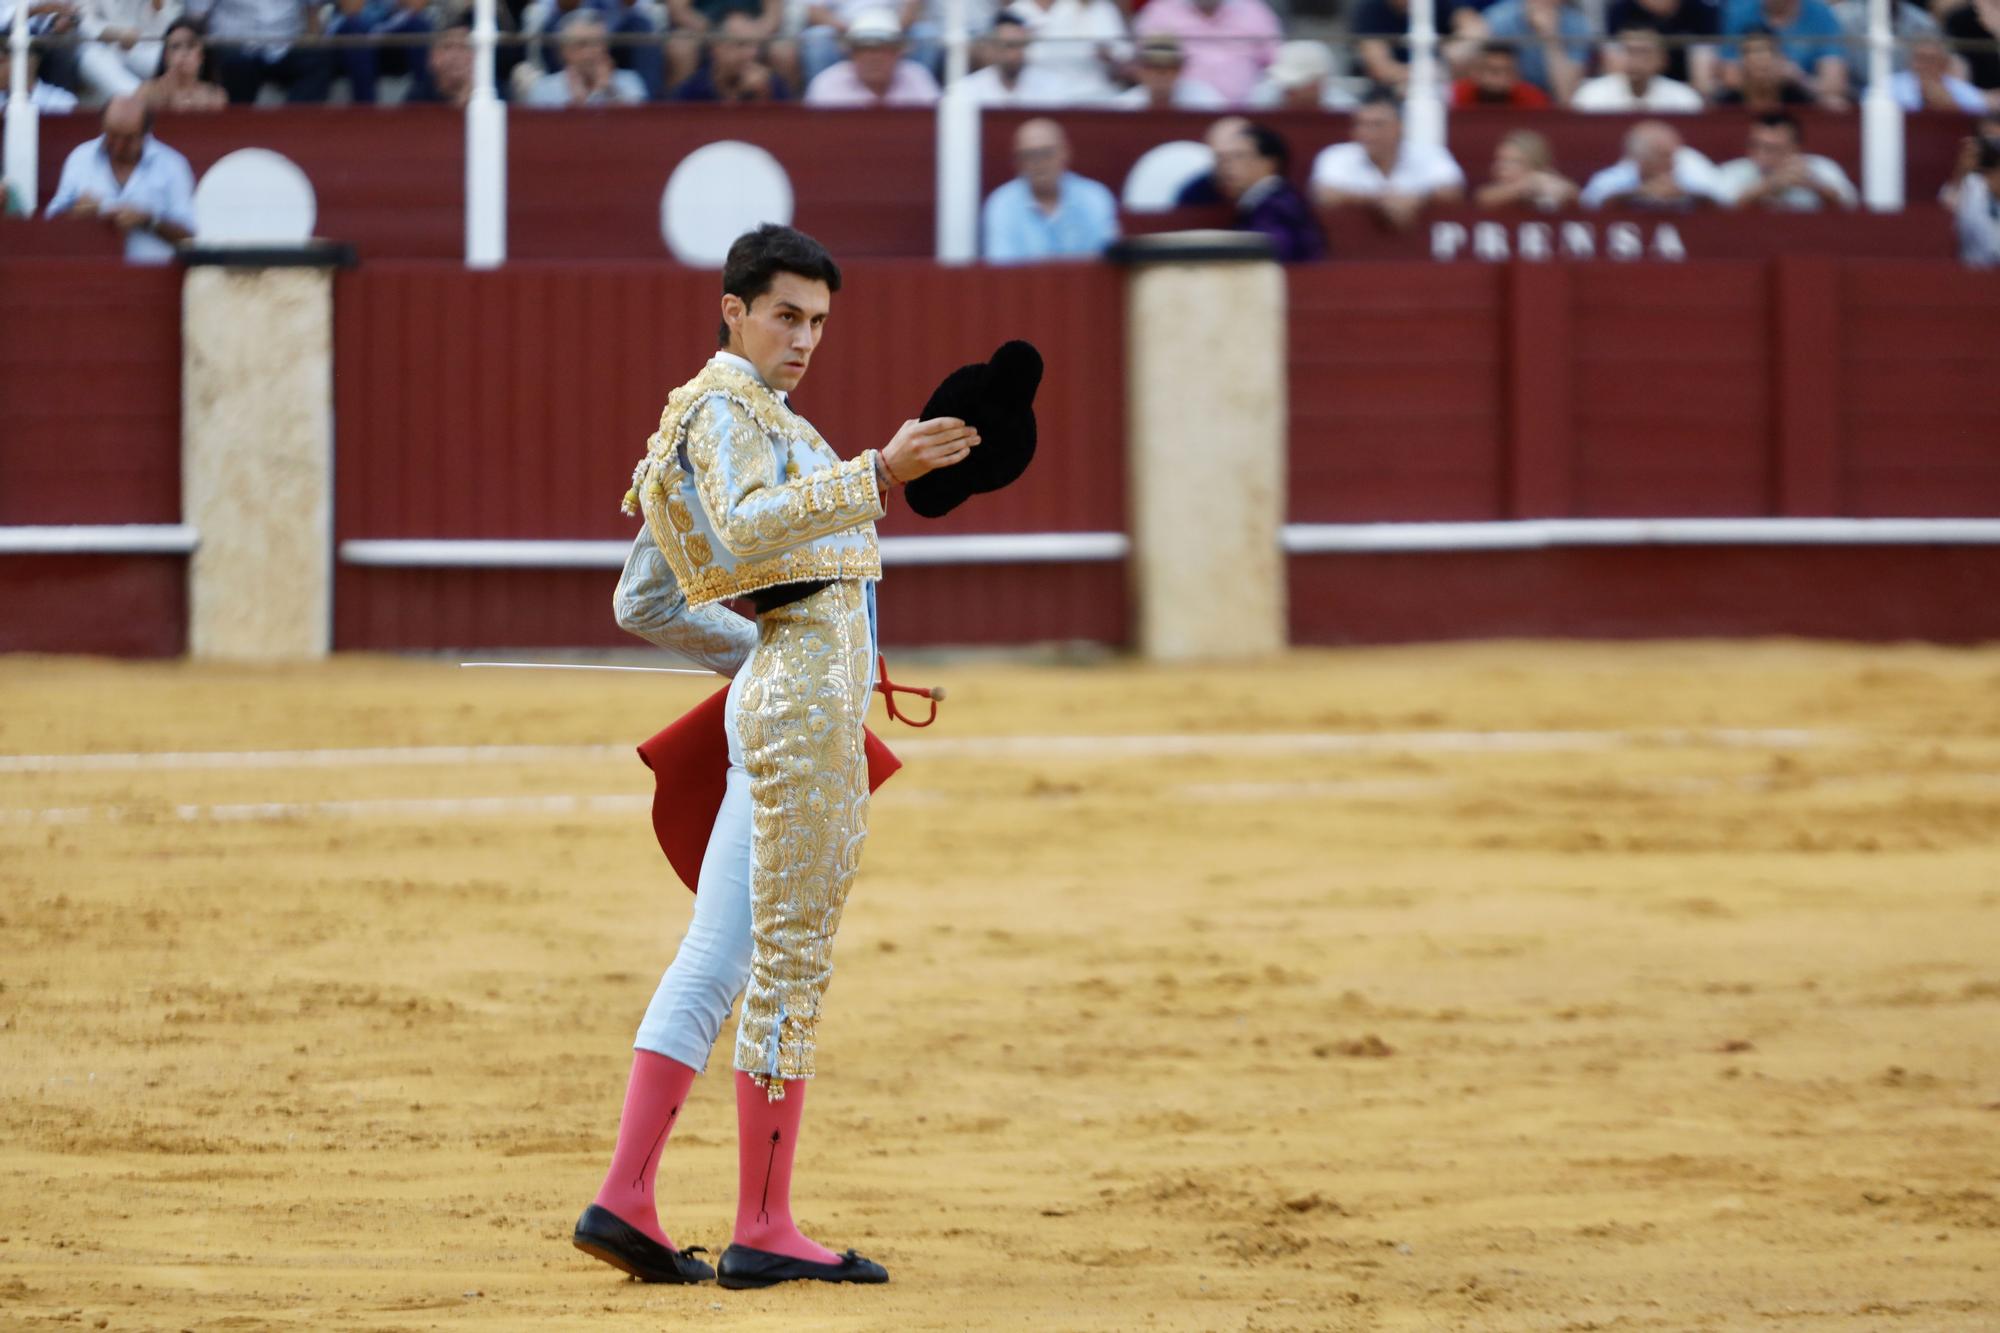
[(767, 1136), (654, 1096)]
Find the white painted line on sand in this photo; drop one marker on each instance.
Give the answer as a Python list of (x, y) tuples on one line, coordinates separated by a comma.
[(1137, 746)]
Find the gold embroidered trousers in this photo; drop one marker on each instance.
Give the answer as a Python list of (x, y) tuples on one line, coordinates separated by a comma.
[(798, 714)]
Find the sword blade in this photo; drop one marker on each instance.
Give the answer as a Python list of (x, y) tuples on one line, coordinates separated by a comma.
[(580, 666)]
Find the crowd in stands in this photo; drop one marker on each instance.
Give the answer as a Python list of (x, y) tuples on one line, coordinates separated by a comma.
[(1666, 56), (1659, 57)]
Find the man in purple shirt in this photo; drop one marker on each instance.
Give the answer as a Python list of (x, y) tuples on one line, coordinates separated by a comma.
[(874, 73), (1228, 42)]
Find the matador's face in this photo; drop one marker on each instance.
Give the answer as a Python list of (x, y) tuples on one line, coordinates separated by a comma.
[(779, 331)]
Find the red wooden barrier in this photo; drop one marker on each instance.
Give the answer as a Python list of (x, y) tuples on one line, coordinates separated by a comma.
[(587, 185), (90, 401), (513, 404), (388, 180)]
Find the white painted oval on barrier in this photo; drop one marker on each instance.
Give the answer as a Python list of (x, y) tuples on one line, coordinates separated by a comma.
[(1155, 182), (254, 197), (718, 192)]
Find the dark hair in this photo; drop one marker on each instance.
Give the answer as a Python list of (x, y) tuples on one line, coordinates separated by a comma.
[(1500, 49), (1383, 97), (1758, 33), (1270, 146), (757, 257), (1989, 155), (1783, 120), (206, 74), (1006, 17)]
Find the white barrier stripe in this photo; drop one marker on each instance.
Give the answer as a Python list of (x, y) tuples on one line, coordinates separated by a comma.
[(1541, 534), (452, 807), (99, 539), (964, 549), (1205, 793), (957, 747)]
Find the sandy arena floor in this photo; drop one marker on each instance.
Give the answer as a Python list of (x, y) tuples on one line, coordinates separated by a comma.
[(1506, 987)]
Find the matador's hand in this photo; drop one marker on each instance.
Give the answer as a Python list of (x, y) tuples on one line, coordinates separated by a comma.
[(925, 446)]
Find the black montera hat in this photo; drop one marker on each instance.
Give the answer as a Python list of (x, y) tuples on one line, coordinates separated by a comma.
[(996, 398)]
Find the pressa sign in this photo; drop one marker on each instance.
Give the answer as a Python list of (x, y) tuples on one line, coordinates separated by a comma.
[(1497, 242)]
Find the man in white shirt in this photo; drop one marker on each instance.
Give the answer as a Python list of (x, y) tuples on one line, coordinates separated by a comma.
[(1047, 211), (1776, 174), (588, 77), (1301, 79), (1658, 173), (132, 182), (1383, 171), (47, 98), (875, 72), (1929, 85), (1977, 212), (1161, 86), (1010, 80), (1075, 40), (1643, 86)]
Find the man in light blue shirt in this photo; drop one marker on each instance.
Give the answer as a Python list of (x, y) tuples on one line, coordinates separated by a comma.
[(132, 181), (1047, 211), (1807, 32)]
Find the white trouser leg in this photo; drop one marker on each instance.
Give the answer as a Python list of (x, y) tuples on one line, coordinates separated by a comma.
[(713, 962)]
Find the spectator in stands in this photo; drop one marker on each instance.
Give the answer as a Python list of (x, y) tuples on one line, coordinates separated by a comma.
[(699, 25), (447, 75), (1252, 170), (1977, 21), (257, 40), (829, 24), (1161, 84), (132, 182), (1761, 80), (1525, 176), (406, 18), (1641, 83), (1076, 43), (1907, 23), (875, 72), (46, 97), (1551, 38), (1047, 211), (642, 55), (123, 41), (357, 65), (1382, 26), (1807, 33), (1384, 172), (1978, 211), (1967, 163), (1495, 80), (732, 72), (1684, 24), (1008, 79), (1229, 43), (1775, 173), (185, 79), (1203, 191), (1658, 173), (1928, 84), (1301, 79), (588, 76)]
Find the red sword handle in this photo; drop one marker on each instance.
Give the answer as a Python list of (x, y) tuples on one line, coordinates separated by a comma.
[(889, 689)]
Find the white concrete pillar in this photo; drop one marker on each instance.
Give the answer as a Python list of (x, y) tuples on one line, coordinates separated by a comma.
[(257, 459), (1206, 426)]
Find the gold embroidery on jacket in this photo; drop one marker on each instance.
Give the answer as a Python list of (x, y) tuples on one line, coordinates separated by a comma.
[(728, 422)]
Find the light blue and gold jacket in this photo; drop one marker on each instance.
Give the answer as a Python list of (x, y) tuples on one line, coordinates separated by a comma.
[(740, 493)]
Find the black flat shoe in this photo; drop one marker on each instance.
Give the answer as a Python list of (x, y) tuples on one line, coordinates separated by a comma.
[(602, 1234), (741, 1266)]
